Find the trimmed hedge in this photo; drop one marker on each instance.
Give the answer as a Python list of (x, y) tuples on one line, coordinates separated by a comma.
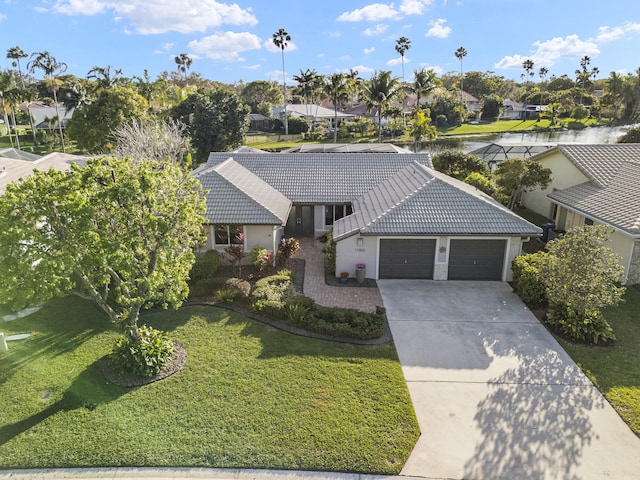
[(206, 266), (528, 284)]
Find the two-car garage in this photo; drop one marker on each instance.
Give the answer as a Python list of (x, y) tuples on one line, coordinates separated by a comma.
[(468, 259)]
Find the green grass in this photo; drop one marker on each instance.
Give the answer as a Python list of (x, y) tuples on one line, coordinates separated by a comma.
[(615, 369), (250, 396), (501, 126)]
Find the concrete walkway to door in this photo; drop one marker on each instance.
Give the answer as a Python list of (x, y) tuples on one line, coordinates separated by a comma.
[(495, 395)]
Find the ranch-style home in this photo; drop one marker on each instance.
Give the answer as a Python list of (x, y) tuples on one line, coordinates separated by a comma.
[(595, 184), (390, 211)]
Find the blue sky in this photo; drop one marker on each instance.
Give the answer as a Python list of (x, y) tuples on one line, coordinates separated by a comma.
[(230, 42)]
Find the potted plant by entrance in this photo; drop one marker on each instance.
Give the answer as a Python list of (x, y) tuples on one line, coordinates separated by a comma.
[(360, 272), (344, 276)]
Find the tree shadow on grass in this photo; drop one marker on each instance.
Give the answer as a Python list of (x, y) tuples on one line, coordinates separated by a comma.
[(87, 391)]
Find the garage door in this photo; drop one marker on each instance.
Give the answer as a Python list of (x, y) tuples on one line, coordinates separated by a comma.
[(476, 259), (407, 258)]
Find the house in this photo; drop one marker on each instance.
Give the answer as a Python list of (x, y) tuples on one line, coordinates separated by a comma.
[(46, 117), (390, 211), (313, 113), (595, 184), (16, 164)]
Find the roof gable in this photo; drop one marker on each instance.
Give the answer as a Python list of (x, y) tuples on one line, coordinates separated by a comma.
[(420, 201), (237, 196)]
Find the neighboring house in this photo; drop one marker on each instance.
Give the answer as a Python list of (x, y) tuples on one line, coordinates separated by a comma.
[(473, 104), (313, 113), (16, 165), (46, 118), (595, 184), (260, 123), (391, 211)]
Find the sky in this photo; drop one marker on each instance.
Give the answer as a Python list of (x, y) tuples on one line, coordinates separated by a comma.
[(232, 42)]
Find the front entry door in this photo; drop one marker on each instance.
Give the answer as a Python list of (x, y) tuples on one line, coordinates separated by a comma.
[(300, 221)]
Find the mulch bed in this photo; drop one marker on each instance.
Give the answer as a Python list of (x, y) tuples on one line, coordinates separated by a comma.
[(130, 380)]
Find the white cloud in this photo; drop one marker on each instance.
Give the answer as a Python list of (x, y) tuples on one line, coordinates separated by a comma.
[(257, 66), (371, 13), (397, 61), (367, 51), (345, 58), (154, 17), (225, 46), (414, 7), (270, 46), (334, 34), (610, 34), (362, 69), (436, 69), (167, 46), (551, 51), (438, 29), (3, 17), (377, 30)]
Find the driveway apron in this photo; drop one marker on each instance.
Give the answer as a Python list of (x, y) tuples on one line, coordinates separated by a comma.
[(495, 395)]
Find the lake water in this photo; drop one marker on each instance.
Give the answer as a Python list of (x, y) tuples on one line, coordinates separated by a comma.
[(591, 135)]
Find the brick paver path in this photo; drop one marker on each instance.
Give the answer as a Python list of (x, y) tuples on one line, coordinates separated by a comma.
[(361, 298)]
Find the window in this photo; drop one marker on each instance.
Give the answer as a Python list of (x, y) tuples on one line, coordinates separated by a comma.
[(588, 221), (336, 212), (226, 235)]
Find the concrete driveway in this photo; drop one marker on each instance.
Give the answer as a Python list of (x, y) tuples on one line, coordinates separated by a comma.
[(495, 395)]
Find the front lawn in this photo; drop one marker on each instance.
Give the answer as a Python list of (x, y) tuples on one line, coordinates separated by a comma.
[(615, 369), (250, 396)]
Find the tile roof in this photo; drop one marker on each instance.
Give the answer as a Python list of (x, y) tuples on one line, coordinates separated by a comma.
[(617, 203), (13, 169), (612, 195), (322, 178), (237, 196), (347, 148), (417, 200)]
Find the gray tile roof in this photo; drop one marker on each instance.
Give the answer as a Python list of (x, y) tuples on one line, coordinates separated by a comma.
[(13, 169), (237, 196), (617, 203), (612, 195), (322, 178), (417, 200), (347, 148)]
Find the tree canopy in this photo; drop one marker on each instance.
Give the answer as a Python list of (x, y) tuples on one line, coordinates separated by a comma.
[(515, 174), (118, 232), (458, 164), (217, 120)]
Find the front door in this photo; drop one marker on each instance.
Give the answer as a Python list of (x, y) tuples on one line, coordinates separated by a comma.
[(300, 222)]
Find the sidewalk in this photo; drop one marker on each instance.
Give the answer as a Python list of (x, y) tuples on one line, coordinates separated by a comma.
[(125, 473)]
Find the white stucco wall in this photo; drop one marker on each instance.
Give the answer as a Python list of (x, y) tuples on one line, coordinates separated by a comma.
[(349, 253), (564, 174), (264, 236)]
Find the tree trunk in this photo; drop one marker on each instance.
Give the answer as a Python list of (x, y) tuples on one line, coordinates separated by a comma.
[(131, 329)]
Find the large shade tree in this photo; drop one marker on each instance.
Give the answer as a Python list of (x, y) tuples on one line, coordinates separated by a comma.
[(117, 232), (216, 120), (513, 175)]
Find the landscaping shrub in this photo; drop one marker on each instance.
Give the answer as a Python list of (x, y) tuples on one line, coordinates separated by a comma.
[(270, 295), (148, 356), (330, 254), (528, 284), (442, 121), (238, 286), (261, 258), (206, 266), (590, 327), (286, 249), (345, 322), (226, 295)]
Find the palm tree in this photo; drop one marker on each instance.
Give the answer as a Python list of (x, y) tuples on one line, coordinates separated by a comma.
[(16, 53), (307, 84), (50, 66), (379, 92), (543, 75), (424, 82), (528, 67), (615, 87), (584, 74), (281, 40), (354, 82), (6, 84), (402, 45), (103, 76), (460, 53), (336, 87), (183, 61)]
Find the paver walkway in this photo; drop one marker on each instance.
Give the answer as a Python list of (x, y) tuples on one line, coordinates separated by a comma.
[(361, 298)]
